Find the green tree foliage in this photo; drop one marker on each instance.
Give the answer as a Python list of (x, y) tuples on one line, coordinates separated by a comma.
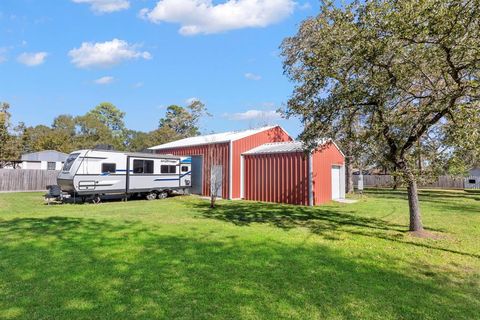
[(184, 121), (103, 125), (110, 116), (140, 141), (9, 147), (462, 139), (65, 123), (405, 69), (92, 131)]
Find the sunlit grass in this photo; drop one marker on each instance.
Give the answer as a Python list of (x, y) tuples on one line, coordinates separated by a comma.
[(177, 259)]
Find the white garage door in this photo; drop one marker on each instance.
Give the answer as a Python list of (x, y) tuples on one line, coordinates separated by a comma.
[(335, 182)]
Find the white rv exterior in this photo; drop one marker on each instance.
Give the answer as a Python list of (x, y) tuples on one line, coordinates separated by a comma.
[(98, 172)]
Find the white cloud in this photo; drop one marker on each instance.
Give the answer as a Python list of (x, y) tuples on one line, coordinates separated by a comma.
[(32, 59), (191, 100), (106, 6), (104, 80), (252, 76), (268, 105), (205, 17), (255, 115), (3, 55), (138, 85), (305, 6), (105, 54)]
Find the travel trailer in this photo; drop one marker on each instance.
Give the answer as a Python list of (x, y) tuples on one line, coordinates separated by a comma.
[(91, 174)]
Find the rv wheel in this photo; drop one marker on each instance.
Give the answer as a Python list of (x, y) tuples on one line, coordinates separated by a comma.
[(163, 195), (96, 199), (151, 196)]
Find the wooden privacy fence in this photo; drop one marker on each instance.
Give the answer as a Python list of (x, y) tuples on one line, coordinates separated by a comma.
[(443, 182), (446, 182), (378, 181), (26, 180)]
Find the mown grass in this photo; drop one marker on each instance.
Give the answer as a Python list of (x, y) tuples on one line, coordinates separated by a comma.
[(177, 259)]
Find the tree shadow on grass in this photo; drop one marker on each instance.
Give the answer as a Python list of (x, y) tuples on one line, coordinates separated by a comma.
[(83, 268), (322, 221)]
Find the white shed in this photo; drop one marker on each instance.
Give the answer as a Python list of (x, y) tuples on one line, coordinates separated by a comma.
[(43, 160), (473, 180), (475, 172)]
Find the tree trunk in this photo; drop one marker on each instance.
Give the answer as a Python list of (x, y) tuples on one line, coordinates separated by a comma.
[(419, 157), (349, 169), (395, 179), (349, 175), (413, 204), (212, 202)]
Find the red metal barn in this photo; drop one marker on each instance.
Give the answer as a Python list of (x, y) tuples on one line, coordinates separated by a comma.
[(283, 173), (221, 152)]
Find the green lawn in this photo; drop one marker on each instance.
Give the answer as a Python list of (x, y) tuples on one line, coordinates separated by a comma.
[(177, 259)]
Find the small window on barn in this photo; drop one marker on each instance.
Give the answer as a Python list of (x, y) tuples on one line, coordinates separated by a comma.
[(109, 167), (184, 169), (472, 181), (51, 165)]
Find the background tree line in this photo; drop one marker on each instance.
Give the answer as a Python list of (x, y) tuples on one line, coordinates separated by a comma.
[(104, 124)]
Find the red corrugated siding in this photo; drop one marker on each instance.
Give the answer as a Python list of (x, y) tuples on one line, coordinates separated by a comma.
[(323, 160), (283, 177), (276, 134), (279, 177), (213, 154)]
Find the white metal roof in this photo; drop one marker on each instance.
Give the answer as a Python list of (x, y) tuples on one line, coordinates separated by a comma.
[(45, 155), (211, 138), (277, 147), (281, 147)]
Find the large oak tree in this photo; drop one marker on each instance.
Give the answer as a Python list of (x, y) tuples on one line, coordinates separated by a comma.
[(404, 68)]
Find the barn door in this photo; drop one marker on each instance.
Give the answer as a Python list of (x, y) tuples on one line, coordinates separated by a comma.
[(336, 182), (216, 180), (197, 179)]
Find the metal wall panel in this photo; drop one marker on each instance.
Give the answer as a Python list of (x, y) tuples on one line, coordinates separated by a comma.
[(323, 159), (213, 154), (283, 177), (277, 177), (276, 134)]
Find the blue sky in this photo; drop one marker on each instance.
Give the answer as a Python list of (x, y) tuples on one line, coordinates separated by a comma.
[(66, 56)]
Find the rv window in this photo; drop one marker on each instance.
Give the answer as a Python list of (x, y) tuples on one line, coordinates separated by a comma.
[(109, 167), (168, 169), (184, 169), (148, 166), (142, 166), (69, 162), (50, 165), (137, 166)]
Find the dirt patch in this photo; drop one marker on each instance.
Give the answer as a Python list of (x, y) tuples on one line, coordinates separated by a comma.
[(427, 235)]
